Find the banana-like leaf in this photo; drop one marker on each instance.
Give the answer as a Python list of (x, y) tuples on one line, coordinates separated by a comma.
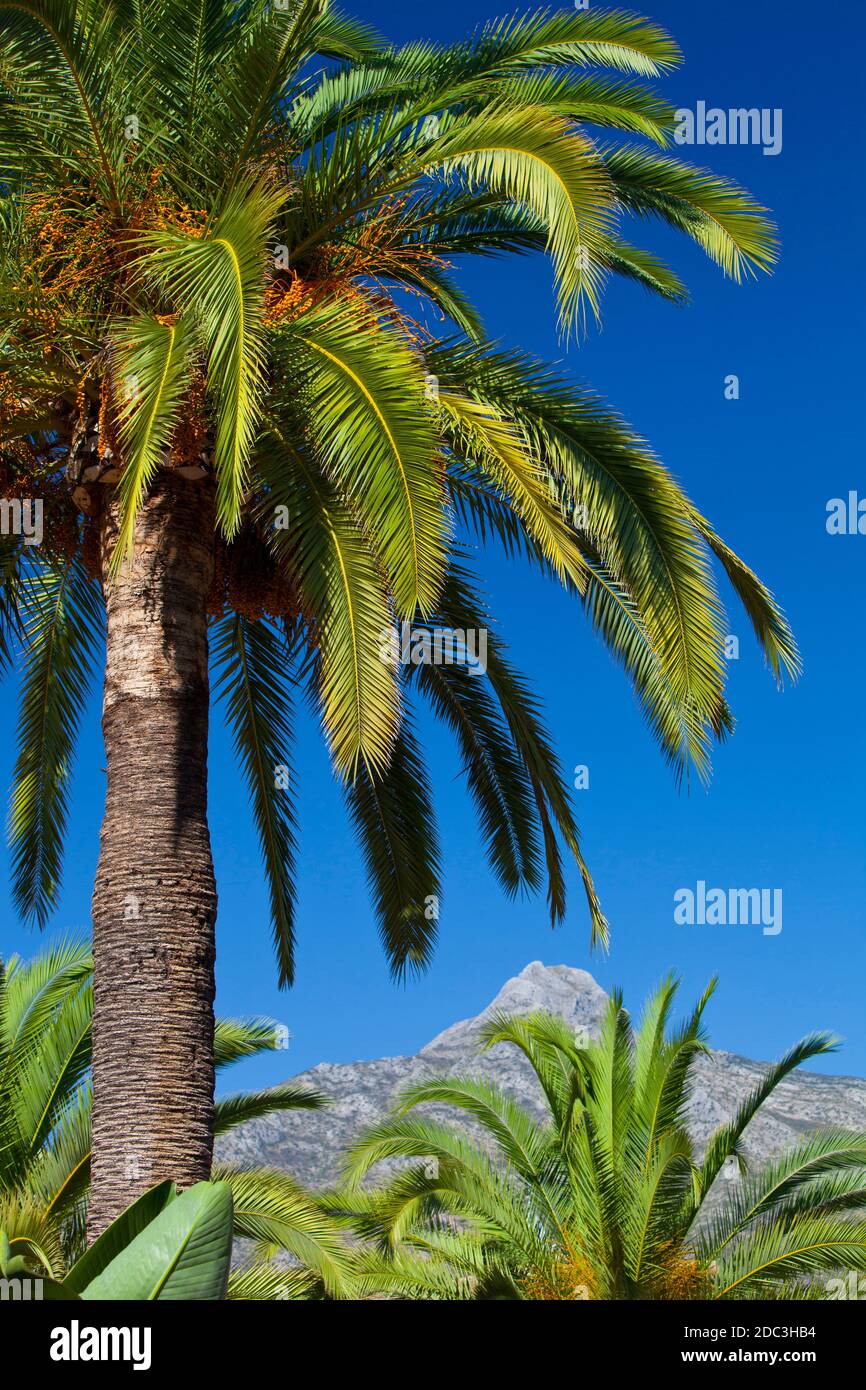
[(182, 1254), (120, 1234)]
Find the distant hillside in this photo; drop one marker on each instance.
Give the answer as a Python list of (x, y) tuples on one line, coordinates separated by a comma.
[(308, 1145)]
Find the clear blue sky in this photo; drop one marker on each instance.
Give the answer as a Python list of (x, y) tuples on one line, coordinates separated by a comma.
[(786, 804)]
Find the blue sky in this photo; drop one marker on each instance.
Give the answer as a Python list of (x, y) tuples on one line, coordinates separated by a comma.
[(785, 809)]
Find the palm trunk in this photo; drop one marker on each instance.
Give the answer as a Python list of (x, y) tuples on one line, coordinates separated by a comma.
[(154, 901)]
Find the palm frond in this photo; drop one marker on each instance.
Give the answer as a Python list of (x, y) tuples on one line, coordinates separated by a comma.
[(231, 1111), (63, 624), (151, 370), (368, 424), (220, 280), (342, 589), (394, 819), (250, 661)]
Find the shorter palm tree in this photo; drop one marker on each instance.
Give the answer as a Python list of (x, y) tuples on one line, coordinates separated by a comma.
[(605, 1197), (45, 1113)]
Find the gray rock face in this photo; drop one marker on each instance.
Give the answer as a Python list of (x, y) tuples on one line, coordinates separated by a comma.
[(309, 1145)]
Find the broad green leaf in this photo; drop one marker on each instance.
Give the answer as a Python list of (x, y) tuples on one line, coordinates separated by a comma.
[(120, 1234), (184, 1253)]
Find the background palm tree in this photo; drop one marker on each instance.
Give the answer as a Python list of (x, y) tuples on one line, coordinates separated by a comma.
[(605, 1197), (45, 1138), (212, 380)]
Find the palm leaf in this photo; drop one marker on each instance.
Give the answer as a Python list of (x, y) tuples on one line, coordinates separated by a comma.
[(394, 819), (220, 278), (151, 370), (250, 660), (63, 622)]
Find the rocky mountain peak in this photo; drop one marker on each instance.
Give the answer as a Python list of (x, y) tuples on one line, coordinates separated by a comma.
[(559, 989)]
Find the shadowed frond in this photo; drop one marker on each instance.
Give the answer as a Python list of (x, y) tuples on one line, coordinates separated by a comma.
[(252, 680), (63, 620), (395, 822)]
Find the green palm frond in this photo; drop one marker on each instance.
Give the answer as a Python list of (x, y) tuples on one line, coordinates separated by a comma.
[(823, 1176), (151, 370), (537, 160), (405, 1275), (499, 785), (236, 1038), (219, 279), (724, 1143), (39, 1072), (608, 38), (34, 989), (236, 1110), (49, 1079), (461, 608), (342, 588), (64, 57), (369, 427), (633, 263), (518, 1139), (609, 103), (477, 431), (768, 1255), (725, 221), (31, 1232), (265, 1280), (553, 1052), (663, 1063), (771, 627), (10, 600), (271, 1209), (648, 588)]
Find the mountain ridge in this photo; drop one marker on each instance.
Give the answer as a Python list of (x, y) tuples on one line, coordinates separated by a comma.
[(308, 1144)]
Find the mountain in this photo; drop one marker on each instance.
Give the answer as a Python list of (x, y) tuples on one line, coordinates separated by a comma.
[(308, 1144)]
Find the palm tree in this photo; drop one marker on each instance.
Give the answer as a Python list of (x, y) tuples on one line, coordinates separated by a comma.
[(604, 1197), (45, 1123), (251, 449)]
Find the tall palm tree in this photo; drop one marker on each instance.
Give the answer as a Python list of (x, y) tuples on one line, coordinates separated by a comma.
[(45, 1138), (605, 1196), (220, 263)]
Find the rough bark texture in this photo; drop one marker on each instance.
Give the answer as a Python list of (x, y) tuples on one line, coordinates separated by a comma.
[(154, 902)]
